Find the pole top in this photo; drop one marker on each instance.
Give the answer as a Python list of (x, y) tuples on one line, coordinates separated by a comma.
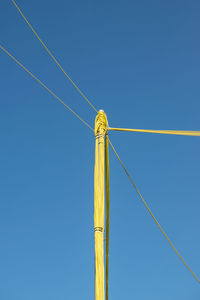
[(101, 123)]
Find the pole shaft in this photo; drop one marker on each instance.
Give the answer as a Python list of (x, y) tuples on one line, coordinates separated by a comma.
[(107, 209), (99, 206)]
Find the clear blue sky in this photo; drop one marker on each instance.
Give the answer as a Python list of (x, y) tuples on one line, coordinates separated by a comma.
[(140, 62)]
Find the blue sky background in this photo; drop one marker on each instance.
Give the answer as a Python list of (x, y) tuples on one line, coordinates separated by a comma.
[(140, 62)]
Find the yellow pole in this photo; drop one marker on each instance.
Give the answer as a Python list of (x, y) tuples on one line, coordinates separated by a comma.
[(107, 208), (101, 125)]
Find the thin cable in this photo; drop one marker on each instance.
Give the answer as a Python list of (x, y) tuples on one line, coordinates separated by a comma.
[(174, 132), (149, 210), (49, 52), (25, 69)]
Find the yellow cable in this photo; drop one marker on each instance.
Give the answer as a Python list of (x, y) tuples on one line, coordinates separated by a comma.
[(149, 210), (1, 47), (174, 132), (49, 52)]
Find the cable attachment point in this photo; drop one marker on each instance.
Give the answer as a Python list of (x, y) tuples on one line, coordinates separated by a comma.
[(101, 124)]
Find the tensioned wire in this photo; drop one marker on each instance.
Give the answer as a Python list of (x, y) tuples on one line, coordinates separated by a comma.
[(41, 83), (151, 213), (174, 132), (52, 56)]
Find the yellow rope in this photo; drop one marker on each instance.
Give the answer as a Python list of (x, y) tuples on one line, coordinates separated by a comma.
[(49, 52), (1, 47), (165, 235), (174, 132)]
